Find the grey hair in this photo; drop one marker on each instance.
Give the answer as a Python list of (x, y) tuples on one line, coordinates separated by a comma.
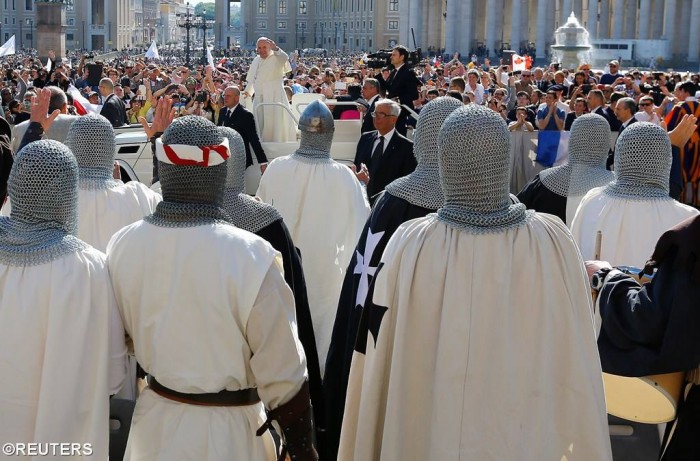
[(373, 82), (628, 103), (395, 107), (58, 99), (107, 82), (234, 88)]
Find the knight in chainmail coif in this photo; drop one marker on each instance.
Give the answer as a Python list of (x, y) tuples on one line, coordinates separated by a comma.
[(455, 323), (105, 205), (409, 197), (60, 330), (211, 317), (324, 206), (635, 209), (265, 221), (559, 190)]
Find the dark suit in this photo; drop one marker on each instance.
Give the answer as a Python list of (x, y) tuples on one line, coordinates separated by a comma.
[(114, 110), (396, 161), (243, 122), (614, 122), (402, 84), (368, 120), (611, 155), (570, 118)]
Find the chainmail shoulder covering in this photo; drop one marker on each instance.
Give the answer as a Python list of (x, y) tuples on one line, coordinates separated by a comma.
[(588, 151), (91, 139), (642, 163), (316, 126), (474, 160), (192, 195), (422, 186), (246, 213), (43, 188)]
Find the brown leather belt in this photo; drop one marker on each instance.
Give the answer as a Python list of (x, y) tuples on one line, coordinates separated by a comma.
[(223, 398)]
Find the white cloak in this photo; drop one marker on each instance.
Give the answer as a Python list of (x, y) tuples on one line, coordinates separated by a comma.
[(102, 212), (325, 208), (208, 309), (487, 351), (62, 352), (630, 228), (265, 80)]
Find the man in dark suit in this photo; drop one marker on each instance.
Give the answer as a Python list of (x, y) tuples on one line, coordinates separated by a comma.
[(235, 116), (370, 93), (402, 85), (113, 108), (383, 155), (624, 111)]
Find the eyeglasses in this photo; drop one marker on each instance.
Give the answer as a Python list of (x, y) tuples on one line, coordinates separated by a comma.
[(527, 75), (376, 114)]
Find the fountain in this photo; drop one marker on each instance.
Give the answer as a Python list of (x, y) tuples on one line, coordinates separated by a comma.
[(571, 44)]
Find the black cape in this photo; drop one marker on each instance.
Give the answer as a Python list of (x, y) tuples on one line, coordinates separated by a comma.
[(388, 213), (536, 196)]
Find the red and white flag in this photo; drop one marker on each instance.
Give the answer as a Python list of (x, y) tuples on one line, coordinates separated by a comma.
[(518, 63)]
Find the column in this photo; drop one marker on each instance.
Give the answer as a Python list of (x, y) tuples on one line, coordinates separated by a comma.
[(415, 22), (551, 23), (644, 19), (541, 41), (604, 19), (618, 18), (566, 9), (683, 24), (491, 21), (669, 20), (694, 40), (465, 19), (451, 32), (658, 19), (525, 21), (578, 10), (630, 18), (515, 36)]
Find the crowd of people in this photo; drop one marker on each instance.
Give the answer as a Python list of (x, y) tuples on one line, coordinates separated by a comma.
[(406, 307)]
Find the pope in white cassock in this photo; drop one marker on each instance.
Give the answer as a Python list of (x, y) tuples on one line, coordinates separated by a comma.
[(633, 211), (211, 317), (480, 343), (325, 209), (62, 351), (265, 82)]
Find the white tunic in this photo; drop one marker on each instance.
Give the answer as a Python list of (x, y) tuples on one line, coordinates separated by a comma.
[(208, 309), (630, 228), (487, 351), (265, 80), (62, 352), (325, 208), (102, 212)]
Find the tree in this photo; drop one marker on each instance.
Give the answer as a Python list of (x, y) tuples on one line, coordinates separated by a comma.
[(209, 7)]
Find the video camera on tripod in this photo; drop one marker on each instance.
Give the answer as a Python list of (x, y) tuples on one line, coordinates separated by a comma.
[(382, 58)]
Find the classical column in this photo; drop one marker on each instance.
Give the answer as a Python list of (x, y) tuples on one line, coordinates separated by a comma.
[(541, 41), (566, 9), (669, 20), (683, 24), (491, 20), (578, 10), (415, 23), (604, 19), (694, 39), (658, 19), (644, 19), (451, 32), (618, 19), (466, 26), (630, 18), (515, 36)]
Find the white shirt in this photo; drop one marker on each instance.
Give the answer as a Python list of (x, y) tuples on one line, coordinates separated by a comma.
[(387, 138), (642, 116)]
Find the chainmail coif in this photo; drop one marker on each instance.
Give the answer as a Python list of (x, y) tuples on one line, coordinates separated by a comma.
[(642, 163), (474, 156), (192, 195), (246, 213), (422, 187), (43, 188), (317, 126), (91, 139), (588, 151)]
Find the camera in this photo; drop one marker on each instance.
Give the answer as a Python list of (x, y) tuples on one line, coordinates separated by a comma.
[(382, 58)]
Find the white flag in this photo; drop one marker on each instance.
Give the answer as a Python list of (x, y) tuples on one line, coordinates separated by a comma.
[(8, 47), (518, 63), (210, 58), (82, 102), (152, 52)]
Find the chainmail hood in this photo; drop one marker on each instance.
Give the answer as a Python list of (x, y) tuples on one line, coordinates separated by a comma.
[(192, 194), (317, 126), (422, 186), (474, 159), (588, 150), (43, 188), (642, 163), (91, 139), (246, 212)]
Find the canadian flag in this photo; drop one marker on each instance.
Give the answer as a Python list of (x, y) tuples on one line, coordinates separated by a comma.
[(518, 63)]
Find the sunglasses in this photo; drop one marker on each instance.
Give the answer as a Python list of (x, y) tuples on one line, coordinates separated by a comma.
[(644, 104)]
